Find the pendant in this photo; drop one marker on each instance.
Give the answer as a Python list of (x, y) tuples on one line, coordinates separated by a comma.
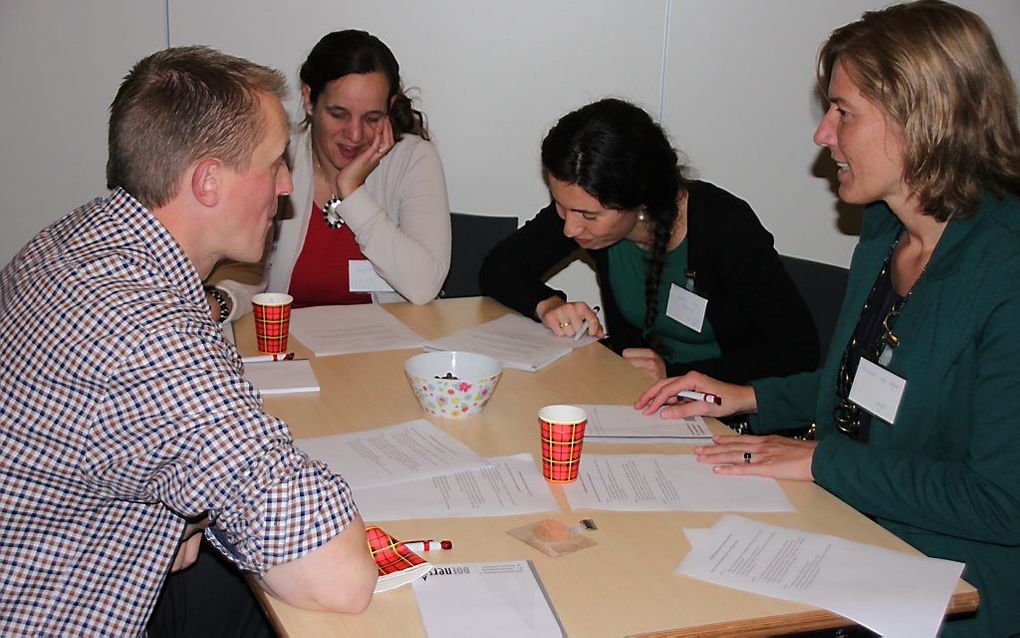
[(332, 214)]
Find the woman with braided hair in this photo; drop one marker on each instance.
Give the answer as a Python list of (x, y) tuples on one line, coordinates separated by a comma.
[(688, 276)]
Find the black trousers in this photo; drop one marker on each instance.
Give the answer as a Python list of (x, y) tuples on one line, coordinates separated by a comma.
[(210, 598)]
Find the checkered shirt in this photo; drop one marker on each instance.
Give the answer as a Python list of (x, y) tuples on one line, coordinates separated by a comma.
[(123, 410)]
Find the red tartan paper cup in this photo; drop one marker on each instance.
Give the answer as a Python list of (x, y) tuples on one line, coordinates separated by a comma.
[(562, 431), (272, 321)]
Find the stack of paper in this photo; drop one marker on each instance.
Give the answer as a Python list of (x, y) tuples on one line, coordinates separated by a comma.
[(395, 454), (510, 485), (415, 470), (281, 377), (624, 424), (516, 341), (329, 330), (668, 482), (889, 592)]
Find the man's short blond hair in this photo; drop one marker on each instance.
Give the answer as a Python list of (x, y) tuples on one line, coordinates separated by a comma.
[(178, 106)]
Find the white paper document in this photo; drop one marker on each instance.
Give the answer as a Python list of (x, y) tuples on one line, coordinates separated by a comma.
[(622, 423), (281, 377), (362, 277), (668, 482), (511, 485), (890, 592), (495, 600), (329, 330), (394, 454), (518, 342)]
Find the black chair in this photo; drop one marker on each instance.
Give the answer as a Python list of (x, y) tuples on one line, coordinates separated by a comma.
[(473, 238), (822, 287)]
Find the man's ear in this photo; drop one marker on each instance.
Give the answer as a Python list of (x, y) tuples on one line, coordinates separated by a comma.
[(207, 182)]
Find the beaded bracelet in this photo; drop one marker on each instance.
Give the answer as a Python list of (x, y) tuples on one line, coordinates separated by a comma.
[(222, 301)]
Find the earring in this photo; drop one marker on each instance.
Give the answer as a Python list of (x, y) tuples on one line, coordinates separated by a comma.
[(642, 216)]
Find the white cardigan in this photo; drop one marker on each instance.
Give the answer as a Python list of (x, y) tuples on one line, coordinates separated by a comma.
[(400, 218)]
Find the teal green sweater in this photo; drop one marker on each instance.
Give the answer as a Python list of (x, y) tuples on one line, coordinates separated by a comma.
[(946, 476)]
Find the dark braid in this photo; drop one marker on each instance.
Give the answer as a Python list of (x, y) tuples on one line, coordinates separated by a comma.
[(351, 51), (662, 229), (615, 152)]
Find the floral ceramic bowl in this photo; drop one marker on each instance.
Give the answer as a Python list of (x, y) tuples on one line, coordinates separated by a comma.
[(453, 384)]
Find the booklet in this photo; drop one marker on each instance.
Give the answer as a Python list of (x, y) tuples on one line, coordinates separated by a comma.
[(281, 377), (496, 600), (516, 341)]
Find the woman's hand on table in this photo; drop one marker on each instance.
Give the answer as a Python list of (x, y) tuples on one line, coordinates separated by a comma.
[(564, 318), (646, 359), (746, 455), (736, 399), (351, 177)]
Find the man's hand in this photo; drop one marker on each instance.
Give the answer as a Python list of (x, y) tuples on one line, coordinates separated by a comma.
[(187, 551)]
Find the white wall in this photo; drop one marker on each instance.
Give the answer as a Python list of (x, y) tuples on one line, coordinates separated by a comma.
[(60, 65), (732, 80)]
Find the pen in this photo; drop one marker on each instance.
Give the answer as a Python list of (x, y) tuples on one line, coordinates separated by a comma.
[(427, 545), (699, 396), (584, 325), (258, 358)]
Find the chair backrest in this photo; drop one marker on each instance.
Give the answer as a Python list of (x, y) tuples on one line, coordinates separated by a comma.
[(473, 238), (822, 286)]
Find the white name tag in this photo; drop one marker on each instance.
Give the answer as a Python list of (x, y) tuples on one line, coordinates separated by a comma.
[(686, 307), (877, 390), (364, 278)]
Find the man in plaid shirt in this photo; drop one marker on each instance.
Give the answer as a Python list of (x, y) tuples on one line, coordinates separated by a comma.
[(124, 418)]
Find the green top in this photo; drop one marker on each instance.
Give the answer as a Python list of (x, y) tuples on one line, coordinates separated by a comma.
[(944, 477), (628, 269)]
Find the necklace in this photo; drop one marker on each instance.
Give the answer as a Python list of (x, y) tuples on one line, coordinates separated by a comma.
[(331, 209), (847, 415), (332, 213)]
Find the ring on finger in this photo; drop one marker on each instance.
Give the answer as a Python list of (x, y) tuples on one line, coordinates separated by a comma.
[(564, 324), (747, 456)]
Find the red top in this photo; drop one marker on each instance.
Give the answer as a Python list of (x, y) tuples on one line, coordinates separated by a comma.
[(321, 274)]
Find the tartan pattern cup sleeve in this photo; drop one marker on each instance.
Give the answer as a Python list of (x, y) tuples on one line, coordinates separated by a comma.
[(272, 327), (561, 450), (123, 413), (390, 555)]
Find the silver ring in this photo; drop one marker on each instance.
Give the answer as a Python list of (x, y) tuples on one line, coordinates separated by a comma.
[(747, 456)]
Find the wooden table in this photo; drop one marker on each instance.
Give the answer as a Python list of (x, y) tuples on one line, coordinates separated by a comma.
[(625, 585)]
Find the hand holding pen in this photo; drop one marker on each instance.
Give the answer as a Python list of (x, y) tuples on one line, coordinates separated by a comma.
[(569, 318), (696, 394), (583, 328)]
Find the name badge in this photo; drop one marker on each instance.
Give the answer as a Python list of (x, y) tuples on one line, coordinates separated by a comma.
[(364, 278), (686, 307), (877, 390)]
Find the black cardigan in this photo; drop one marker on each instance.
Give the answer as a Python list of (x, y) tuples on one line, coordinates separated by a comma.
[(760, 320)]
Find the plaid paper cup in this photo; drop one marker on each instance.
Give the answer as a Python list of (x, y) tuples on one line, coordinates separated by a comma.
[(272, 321), (562, 430), (390, 555)]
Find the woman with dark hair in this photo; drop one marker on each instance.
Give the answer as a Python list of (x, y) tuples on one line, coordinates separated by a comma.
[(917, 417), (688, 276), (370, 218)]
